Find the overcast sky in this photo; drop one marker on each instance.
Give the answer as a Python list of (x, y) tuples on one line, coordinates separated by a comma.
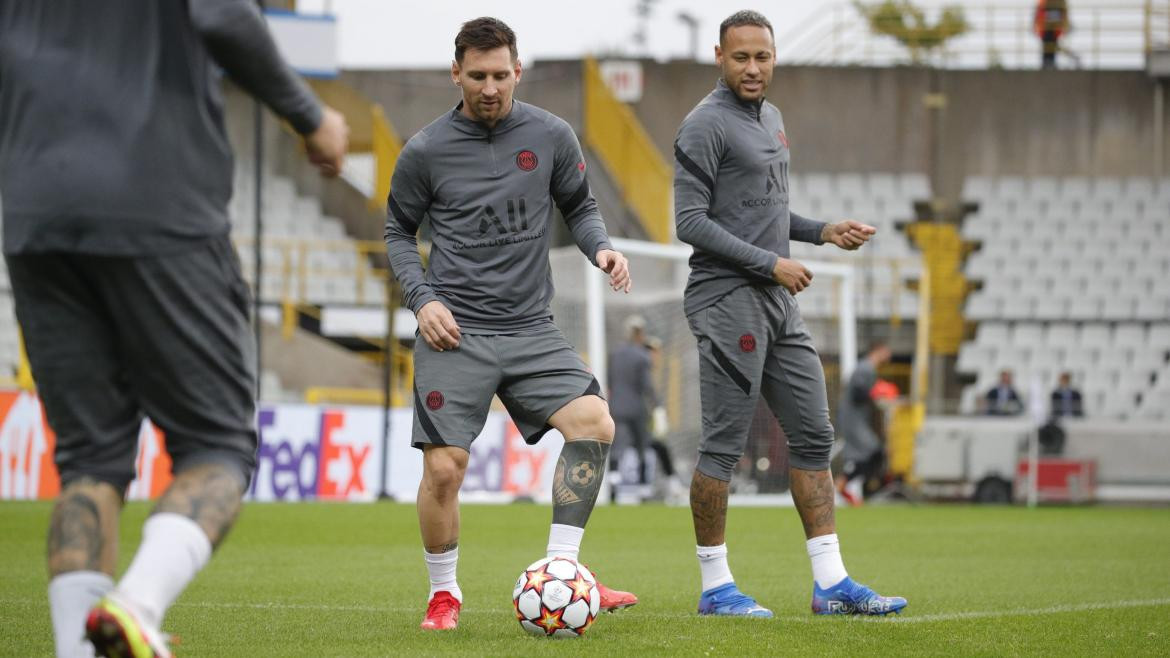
[(412, 34), (396, 34)]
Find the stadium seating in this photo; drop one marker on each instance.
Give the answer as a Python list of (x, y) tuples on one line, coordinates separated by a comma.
[(1074, 275), (887, 262), (295, 231), (9, 338)]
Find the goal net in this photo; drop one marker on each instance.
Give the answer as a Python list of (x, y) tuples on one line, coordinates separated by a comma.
[(593, 318)]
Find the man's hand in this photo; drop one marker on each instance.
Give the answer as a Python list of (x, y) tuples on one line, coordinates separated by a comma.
[(327, 144), (617, 267), (848, 235), (791, 274), (437, 326)]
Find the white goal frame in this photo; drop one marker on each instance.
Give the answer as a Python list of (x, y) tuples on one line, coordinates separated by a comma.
[(595, 302)]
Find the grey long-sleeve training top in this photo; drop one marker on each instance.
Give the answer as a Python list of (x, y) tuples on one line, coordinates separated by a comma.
[(111, 122), (490, 195), (731, 195)]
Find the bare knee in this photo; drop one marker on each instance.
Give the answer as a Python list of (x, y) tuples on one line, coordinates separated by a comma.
[(587, 417), (443, 471)]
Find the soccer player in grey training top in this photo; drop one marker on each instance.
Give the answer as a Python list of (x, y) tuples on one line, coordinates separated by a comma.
[(731, 204), (490, 174), (116, 174)]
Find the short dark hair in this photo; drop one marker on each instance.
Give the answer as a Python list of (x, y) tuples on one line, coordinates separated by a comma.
[(744, 17), (484, 33), (878, 345)]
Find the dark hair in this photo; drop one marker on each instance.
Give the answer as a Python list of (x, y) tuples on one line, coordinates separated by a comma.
[(484, 33), (878, 345), (744, 17)]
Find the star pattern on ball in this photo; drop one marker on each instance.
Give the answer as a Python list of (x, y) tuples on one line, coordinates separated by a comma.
[(537, 579), (580, 588), (550, 621)]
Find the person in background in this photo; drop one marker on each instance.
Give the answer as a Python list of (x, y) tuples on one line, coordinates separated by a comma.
[(631, 396), (1066, 400), (1050, 24), (1002, 399), (863, 454), (676, 491)]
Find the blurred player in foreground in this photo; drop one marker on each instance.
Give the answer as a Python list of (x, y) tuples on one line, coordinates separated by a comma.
[(116, 173), (731, 205)]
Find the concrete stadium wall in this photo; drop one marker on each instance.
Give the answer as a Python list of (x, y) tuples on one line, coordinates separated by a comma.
[(413, 99), (854, 119), (995, 123), (836, 120)]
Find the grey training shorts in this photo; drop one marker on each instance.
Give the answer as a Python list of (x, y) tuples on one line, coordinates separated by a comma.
[(111, 338), (535, 373), (753, 342)]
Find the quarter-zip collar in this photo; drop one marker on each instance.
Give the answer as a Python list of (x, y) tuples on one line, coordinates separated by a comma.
[(470, 126), (725, 94)]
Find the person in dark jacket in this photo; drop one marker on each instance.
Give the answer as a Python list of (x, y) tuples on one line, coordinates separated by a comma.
[(1002, 399), (1066, 400)]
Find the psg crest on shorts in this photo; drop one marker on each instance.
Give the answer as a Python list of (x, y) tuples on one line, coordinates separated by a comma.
[(747, 343), (526, 160)]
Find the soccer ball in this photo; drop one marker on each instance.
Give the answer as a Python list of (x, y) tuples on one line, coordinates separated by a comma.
[(556, 597)]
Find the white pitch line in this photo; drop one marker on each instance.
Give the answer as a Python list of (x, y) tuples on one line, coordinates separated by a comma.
[(1019, 612), (941, 617), (921, 619)]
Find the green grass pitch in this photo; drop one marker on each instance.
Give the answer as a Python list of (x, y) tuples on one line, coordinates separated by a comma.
[(348, 580)]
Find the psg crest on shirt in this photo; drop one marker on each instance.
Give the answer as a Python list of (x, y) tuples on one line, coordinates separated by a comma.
[(526, 160)]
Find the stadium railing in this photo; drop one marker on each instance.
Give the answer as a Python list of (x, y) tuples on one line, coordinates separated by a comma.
[(371, 132), (1104, 34), (626, 151)]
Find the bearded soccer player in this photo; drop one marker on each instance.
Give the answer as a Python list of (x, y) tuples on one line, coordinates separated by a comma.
[(731, 204), (489, 174)]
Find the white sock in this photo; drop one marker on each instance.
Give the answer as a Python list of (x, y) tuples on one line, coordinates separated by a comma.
[(441, 570), (564, 541), (71, 595), (174, 548), (713, 566), (825, 553)]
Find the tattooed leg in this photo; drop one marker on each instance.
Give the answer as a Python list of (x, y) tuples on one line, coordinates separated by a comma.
[(577, 480), (813, 491), (83, 531), (588, 430), (438, 497), (209, 494), (709, 509)]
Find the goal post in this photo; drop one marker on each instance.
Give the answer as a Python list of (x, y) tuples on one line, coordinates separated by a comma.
[(595, 286), (594, 319)]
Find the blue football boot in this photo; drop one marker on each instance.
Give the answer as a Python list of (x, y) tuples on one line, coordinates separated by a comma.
[(728, 600), (851, 598)]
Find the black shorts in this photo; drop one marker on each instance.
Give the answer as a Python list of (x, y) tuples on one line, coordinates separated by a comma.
[(113, 338)]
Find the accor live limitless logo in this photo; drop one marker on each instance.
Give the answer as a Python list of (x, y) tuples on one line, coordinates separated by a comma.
[(495, 229), (775, 183)]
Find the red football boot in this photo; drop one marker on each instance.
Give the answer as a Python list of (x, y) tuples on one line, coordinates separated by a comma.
[(612, 599), (443, 612)]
